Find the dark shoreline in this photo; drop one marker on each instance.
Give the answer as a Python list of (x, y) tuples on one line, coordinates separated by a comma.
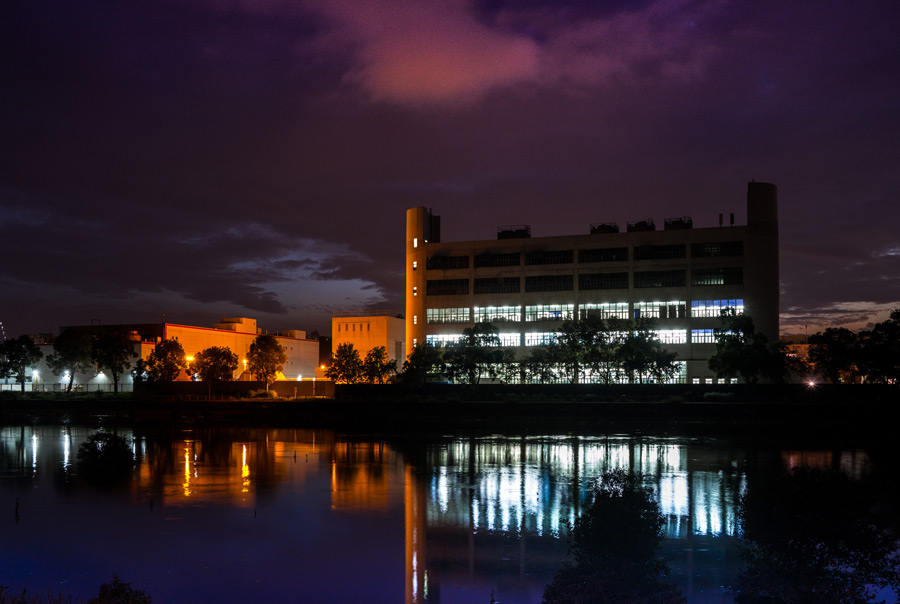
[(861, 423)]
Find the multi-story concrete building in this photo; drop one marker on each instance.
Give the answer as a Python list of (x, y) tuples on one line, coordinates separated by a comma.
[(526, 286), (367, 329)]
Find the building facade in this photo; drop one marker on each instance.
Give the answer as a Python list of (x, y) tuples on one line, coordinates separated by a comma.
[(237, 334), (368, 329), (526, 287)]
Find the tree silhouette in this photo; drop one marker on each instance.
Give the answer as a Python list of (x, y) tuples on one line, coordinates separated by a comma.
[(614, 545)]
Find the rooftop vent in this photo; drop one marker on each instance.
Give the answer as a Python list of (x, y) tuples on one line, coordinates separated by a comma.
[(514, 231), (643, 225), (682, 222), (604, 227)]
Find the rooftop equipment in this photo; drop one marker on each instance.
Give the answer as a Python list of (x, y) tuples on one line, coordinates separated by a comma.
[(514, 231), (598, 228), (682, 222), (643, 225)]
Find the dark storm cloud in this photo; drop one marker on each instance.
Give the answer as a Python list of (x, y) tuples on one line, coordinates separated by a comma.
[(258, 155)]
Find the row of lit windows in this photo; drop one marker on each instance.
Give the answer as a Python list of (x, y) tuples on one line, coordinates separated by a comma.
[(614, 254), (447, 315), (714, 308), (587, 281), (676, 309), (666, 336), (673, 309), (498, 314)]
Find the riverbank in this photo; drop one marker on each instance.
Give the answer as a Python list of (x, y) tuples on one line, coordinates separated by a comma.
[(856, 421)]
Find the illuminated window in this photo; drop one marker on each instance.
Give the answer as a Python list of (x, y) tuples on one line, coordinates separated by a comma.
[(415, 290), (415, 242), (415, 264), (673, 309), (709, 380), (447, 315), (443, 339), (498, 314), (540, 338), (604, 310), (714, 308), (415, 319), (703, 336), (510, 339), (671, 336), (550, 312)]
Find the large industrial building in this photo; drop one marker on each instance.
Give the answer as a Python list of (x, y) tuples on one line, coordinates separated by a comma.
[(527, 286)]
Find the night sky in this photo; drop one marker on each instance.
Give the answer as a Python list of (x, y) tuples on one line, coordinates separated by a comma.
[(209, 158)]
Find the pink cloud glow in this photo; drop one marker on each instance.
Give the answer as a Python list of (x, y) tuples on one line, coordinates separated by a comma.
[(412, 52)]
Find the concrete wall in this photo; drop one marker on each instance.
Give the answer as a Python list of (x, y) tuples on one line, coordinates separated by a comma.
[(366, 332)]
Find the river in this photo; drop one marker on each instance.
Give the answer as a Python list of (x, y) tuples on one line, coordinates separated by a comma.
[(242, 514)]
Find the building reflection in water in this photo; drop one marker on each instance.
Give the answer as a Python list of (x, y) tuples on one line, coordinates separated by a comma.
[(480, 513)]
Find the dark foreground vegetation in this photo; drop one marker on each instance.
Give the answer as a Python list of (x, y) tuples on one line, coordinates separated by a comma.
[(114, 592)]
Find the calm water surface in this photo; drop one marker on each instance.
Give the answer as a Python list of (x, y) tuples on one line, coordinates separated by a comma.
[(244, 515)]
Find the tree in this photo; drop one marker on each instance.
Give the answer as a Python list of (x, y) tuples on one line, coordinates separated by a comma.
[(425, 360), (166, 361), (880, 351), (477, 353), (815, 536), (139, 371), (603, 361), (614, 545), (377, 367), (266, 358), (17, 356), (113, 351), (575, 345), (642, 354), (740, 351), (541, 365), (71, 355), (346, 366), (833, 352), (214, 364), (120, 592), (105, 457)]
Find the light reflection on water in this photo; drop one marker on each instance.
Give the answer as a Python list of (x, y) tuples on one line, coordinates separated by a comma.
[(249, 514)]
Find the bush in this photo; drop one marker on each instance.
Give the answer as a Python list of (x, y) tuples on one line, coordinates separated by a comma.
[(105, 457)]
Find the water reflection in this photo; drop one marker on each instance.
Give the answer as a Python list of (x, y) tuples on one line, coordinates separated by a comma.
[(531, 485), (450, 521)]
